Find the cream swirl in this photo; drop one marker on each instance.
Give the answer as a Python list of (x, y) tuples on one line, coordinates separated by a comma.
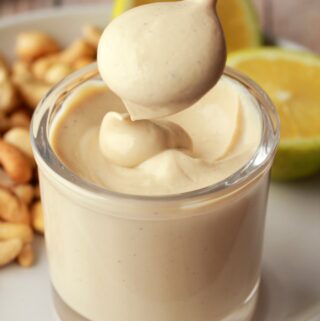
[(128, 143), (224, 126)]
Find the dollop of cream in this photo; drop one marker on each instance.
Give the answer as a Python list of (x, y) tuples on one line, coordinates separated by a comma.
[(161, 58), (128, 143)]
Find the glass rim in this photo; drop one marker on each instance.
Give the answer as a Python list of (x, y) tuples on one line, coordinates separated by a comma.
[(39, 136)]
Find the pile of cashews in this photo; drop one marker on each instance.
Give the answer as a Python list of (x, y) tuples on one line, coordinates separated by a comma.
[(40, 63)]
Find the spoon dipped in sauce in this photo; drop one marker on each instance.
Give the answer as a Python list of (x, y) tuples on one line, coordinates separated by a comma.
[(161, 58)]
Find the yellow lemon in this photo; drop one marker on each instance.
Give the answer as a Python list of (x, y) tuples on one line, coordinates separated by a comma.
[(238, 20), (240, 24), (121, 6), (292, 80)]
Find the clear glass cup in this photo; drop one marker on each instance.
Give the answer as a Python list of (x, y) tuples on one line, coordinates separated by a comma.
[(192, 256)]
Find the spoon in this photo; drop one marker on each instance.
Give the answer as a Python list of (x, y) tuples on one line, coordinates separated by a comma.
[(161, 58)]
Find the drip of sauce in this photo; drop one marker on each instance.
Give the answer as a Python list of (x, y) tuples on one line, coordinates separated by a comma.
[(128, 143)]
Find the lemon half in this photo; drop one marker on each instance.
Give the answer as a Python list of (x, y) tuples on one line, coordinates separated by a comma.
[(240, 24), (292, 80)]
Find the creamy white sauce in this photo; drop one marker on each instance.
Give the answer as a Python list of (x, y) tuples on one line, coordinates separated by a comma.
[(224, 126)]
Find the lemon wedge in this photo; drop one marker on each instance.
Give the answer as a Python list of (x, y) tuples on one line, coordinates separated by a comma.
[(240, 24), (292, 80)]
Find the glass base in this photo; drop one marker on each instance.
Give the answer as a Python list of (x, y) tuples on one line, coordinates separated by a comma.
[(244, 312), (63, 312)]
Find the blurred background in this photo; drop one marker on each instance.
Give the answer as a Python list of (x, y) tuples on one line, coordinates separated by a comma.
[(296, 20)]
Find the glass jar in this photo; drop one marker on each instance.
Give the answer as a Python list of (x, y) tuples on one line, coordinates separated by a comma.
[(193, 256)]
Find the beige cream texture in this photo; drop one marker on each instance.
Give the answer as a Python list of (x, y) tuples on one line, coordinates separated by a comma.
[(167, 261), (224, 126)]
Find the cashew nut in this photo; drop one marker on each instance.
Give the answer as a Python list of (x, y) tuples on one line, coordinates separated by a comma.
[(20, 138), (15, 163), (24, 192), (9, 250), (14, 230), (32, 90), (31, 45), (6, 181), (57, 72), (21, 69), (37, 217), (12, 209), (92, 34), (79, 48), (41, 65), (20, 118), (26, 256), (4, 69), (8, 95)]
